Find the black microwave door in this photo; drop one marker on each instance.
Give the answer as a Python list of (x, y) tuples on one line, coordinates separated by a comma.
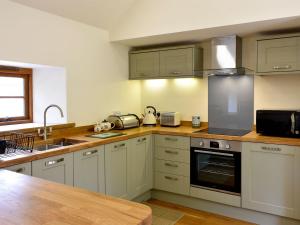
[(277, 123), (297, 124)]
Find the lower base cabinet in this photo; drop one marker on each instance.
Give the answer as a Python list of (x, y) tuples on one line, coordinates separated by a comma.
[(140, 168), (128, 167), (24, 168), (116, 169), (89, 169), (58, 169), (271, 179)]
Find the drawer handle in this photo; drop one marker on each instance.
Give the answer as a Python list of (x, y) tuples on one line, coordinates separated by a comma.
[(171, 152), (142, 140), (20, 170), (175, 72), (273, 149), (90, 152), (171, 165), (171, 139), (53, 162), (120, 145), (282, 67), (171, 178)]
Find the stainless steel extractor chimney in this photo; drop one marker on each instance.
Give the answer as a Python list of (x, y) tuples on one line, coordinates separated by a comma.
[(226, 57)]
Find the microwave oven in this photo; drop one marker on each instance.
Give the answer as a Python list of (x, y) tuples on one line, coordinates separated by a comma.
[(281, 123)]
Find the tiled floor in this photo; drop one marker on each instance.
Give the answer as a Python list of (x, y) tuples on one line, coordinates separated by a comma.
[(170, 214)]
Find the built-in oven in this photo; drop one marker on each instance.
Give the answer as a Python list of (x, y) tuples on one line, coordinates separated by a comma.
[(216, 165)]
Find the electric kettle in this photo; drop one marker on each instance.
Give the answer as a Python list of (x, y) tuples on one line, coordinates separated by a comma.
[(150, 116)]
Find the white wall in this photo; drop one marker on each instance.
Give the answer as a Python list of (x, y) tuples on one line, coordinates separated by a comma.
[(96, 70), (49, 87), (186, 96), (156, 17)]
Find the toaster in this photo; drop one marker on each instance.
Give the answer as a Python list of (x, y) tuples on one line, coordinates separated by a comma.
[(124, 121), (170, 119)]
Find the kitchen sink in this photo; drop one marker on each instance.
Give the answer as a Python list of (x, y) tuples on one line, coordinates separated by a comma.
[(57, 143)]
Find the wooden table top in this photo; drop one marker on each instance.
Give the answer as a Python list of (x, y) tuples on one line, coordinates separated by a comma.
[(28, 200), (187, 131)]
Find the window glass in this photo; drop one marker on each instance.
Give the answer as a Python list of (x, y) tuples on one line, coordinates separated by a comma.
[(11, 86), (12, 107)]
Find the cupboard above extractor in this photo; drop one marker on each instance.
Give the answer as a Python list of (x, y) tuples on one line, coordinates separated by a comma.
[(168, 62)]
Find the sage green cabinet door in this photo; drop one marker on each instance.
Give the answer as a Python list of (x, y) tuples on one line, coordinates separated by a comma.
[(144, 65), (140, 163), (57, 168), (116, 169), (270, 179), (24, 168), (278, 55), (177, 62), (89, 169)]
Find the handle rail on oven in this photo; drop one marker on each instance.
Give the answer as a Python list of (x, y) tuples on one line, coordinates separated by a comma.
[(214, 153)]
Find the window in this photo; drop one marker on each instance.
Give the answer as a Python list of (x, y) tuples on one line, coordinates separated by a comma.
[(15, 95)]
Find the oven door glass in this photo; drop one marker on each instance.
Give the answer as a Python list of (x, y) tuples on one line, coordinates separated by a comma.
[(216, 169)]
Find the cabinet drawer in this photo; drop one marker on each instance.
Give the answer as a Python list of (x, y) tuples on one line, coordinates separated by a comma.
[(172, 154), (172, 183), (24, 168), (175, 168), (172, 141)]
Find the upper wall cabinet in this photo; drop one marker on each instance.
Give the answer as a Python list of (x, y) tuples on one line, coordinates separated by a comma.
[(172, 62), (278, 56), (144, 65)]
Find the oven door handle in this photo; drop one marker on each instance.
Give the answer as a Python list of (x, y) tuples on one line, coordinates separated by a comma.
[(214, 153)]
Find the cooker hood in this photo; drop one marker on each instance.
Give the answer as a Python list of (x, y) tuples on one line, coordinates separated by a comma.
[(226, 57)]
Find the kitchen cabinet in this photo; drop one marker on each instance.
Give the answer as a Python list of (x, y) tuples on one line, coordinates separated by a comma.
[(57, 168), (271, 179), (167, 62), (278, 55), (116, 169), (179, 62), (89, 169), (172, 164), (144, 65), (140, 165), (24, 168)]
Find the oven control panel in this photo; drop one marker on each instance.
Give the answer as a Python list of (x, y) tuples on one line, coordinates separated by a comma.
[(215, 144)]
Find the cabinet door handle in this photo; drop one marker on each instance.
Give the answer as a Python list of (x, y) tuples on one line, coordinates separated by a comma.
[(282, 67), (53, 162), (20, 170), (176, 72), (90, 152), (273, 149), (143, 74), (171, 165), (171, 139), (171, 152), (120, 145), (171, 178)]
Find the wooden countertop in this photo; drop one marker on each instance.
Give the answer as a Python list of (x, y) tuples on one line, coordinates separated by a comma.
[(136, 132), (32, 201)]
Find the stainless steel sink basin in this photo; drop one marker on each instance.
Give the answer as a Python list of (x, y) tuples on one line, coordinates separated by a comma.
[(57, 143)]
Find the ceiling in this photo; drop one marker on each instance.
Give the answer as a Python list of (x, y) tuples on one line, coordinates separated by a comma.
[(99, 13)]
